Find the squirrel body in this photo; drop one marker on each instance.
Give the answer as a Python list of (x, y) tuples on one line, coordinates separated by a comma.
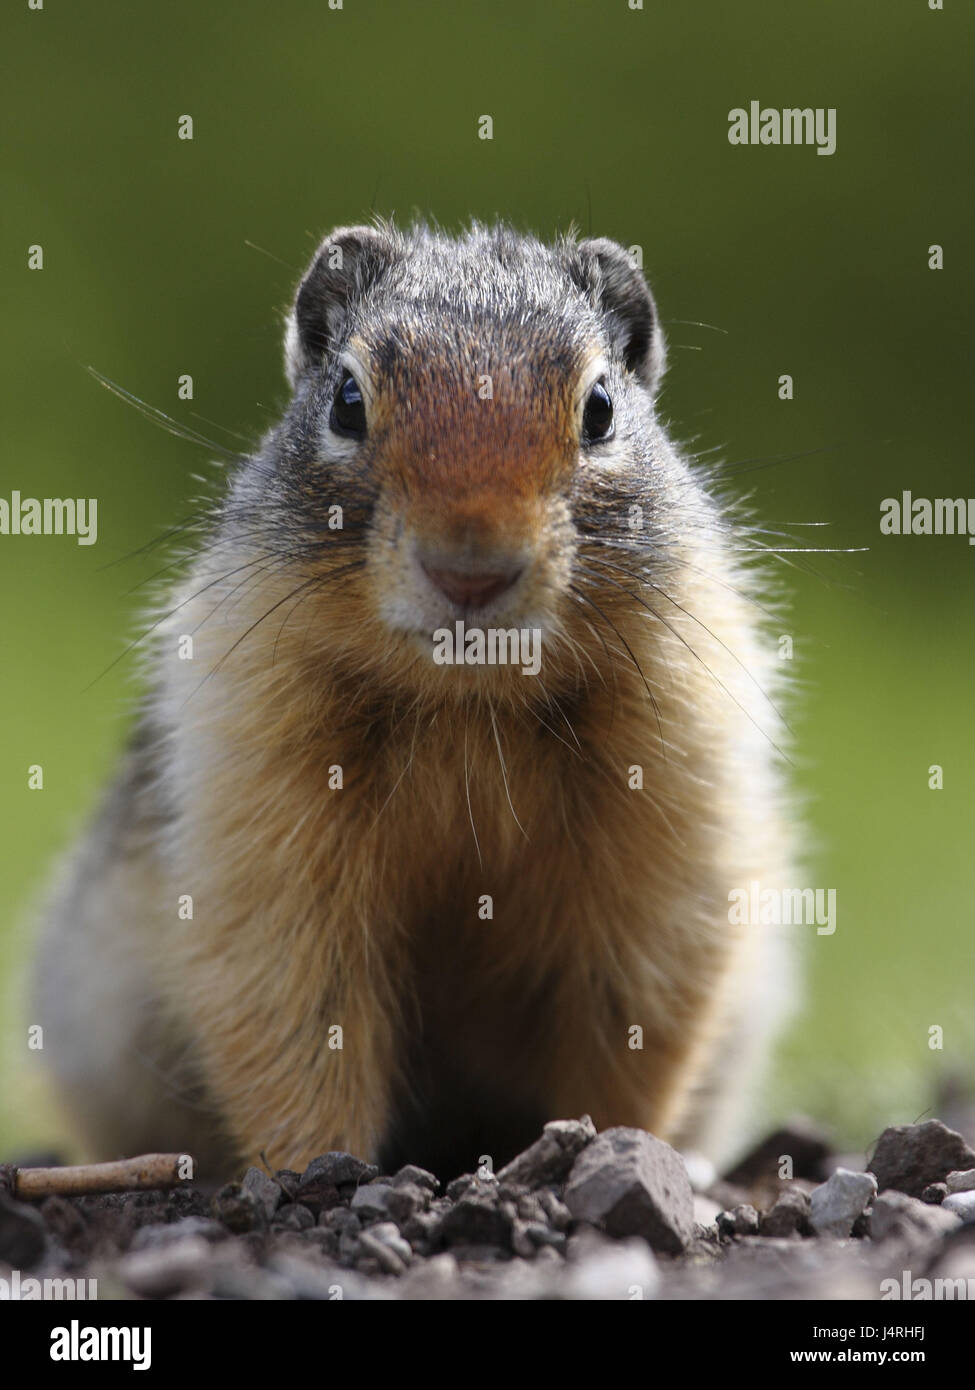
[(434, 906)]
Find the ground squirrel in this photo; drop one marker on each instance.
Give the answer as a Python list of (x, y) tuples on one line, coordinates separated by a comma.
[(435, 903)]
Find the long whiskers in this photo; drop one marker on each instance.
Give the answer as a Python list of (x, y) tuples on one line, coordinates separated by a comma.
[(160, 418), (504, 771), (315, 580), (683, 640), (584, 598), (688, 614)]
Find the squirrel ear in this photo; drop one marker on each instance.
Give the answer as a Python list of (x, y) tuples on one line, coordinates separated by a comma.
[(621, 294), (348, 261)]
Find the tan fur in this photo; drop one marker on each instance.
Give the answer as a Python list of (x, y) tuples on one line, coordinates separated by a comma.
[(597, 872)]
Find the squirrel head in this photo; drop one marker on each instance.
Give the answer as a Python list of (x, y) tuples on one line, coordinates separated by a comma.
[(476, 412)]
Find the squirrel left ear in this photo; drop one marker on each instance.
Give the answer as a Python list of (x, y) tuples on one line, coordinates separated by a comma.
[(621, 294), (346, 264)]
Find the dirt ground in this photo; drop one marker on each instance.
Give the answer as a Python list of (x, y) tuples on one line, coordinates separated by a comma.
[(577, 1216)]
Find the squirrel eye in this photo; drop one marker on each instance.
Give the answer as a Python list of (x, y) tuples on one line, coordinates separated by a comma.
[(348, 408), (597, 418)]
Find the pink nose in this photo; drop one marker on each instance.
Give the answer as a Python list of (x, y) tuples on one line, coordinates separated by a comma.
[(470, 589)]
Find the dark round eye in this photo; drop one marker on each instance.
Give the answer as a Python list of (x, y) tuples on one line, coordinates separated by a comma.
[(348, 408), (597, 418)]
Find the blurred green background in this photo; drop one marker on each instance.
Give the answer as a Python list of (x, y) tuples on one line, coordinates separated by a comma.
[(304, 118)]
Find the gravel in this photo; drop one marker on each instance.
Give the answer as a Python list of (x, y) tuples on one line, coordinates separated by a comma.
[(576, 1216)]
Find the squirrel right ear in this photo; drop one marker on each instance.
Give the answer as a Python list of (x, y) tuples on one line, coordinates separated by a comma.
[(347, 262), (621, 294)]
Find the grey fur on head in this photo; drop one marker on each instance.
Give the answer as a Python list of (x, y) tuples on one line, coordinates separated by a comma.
[(485, 269)]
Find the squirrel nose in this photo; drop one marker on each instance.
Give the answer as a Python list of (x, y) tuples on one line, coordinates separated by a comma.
[(470, 588)]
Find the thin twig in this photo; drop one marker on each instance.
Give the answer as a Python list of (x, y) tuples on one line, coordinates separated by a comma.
[(142, 1174)]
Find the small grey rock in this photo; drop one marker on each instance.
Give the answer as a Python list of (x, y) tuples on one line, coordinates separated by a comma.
[(384, 1243), (294, 1217), (896, 1214), (266, 1192), (910, 1157), (335, 1169), (340, 1219), (236, 1209), (630, 1183), (835, 1205), (476, 1221), (935, 1193), (789, 1216), (961, 1182), (411, 1175), (527, 1206), (551, 1157), (288, 1181), (739, 1221), (543, 1236), (421, 1228), (371, 1201), (962, 1203), (472, 1185), (331, 1179), (404, 1200), (557, 1214), (166, 1270), (339, 1169)]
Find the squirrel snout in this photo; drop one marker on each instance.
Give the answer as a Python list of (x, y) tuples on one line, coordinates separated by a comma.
[(470, 587)]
